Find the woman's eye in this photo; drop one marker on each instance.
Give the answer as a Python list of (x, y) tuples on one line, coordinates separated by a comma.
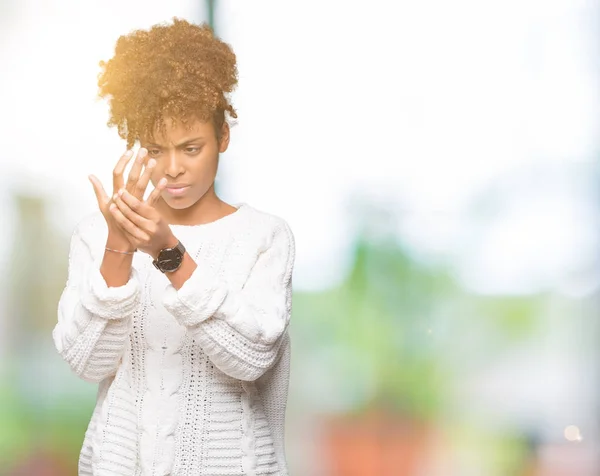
[(192, 150), (153, 152)]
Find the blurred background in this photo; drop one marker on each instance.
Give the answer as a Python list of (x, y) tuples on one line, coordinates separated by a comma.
[(438, 164)]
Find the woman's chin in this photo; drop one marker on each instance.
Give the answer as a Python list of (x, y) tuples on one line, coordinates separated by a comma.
[(177, 203)]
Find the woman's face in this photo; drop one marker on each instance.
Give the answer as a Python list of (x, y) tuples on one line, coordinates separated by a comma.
[(187, 158)]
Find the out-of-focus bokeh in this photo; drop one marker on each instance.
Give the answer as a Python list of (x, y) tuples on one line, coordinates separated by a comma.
[(438, 164)]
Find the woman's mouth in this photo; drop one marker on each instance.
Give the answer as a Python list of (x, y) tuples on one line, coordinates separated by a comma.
[(177, 191)]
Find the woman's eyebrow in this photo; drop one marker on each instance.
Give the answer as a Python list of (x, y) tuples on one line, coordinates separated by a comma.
[(188, 141)]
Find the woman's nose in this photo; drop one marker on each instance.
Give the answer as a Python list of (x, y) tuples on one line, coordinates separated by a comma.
[(173, 167)]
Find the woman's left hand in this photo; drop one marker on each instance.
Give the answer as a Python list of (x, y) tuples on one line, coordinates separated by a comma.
[(143, 224)]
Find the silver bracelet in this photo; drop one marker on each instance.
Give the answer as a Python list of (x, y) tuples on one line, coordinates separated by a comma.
[(122, 252)]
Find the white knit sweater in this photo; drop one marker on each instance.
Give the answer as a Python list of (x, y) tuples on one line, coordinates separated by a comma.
[(191, 381)]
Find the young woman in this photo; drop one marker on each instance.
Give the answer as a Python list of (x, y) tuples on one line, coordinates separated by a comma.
[(177, 304)]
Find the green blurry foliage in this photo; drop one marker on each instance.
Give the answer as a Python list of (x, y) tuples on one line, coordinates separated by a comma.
[(390, 336)]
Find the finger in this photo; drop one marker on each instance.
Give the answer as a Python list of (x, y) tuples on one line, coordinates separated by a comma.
[(101, 195), (134, 173), (130, 214), (142, 183), (132, 239), (119, 169), (136, 205), (127, 225), (155, 194)]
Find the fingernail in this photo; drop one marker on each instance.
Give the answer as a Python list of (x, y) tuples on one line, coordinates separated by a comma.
[(162, 181), (121, 192), (129, 152), (115, 196), (112, 206), (143, 152), (151, 163)]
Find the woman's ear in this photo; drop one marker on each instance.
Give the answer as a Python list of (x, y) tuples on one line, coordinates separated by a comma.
[(224, 141)]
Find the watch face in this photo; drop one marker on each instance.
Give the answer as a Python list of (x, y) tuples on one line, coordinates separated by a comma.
[(169, 260)]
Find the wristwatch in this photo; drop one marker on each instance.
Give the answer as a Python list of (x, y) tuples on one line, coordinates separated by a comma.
[(170, 259)]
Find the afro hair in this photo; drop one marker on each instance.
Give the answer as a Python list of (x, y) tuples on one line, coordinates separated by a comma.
[(178, 70)]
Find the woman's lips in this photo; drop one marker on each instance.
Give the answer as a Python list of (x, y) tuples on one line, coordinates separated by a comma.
[(177, 191)]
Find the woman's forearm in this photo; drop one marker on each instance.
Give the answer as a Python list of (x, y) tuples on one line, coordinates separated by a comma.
[(116, 267)]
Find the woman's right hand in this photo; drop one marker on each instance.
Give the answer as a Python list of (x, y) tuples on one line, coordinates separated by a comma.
[(116, 236)]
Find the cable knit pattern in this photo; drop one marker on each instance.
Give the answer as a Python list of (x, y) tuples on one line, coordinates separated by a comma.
[(93, 319), (191, 381)]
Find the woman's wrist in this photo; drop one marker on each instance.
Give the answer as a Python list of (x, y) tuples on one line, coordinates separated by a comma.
[(119, 243), (116, 268), (170, 242)]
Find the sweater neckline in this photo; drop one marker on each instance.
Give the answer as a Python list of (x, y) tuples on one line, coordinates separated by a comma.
[(241, 206)]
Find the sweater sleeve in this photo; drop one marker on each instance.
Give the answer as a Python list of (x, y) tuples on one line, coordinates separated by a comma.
[(94, 320), (240, 331)]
